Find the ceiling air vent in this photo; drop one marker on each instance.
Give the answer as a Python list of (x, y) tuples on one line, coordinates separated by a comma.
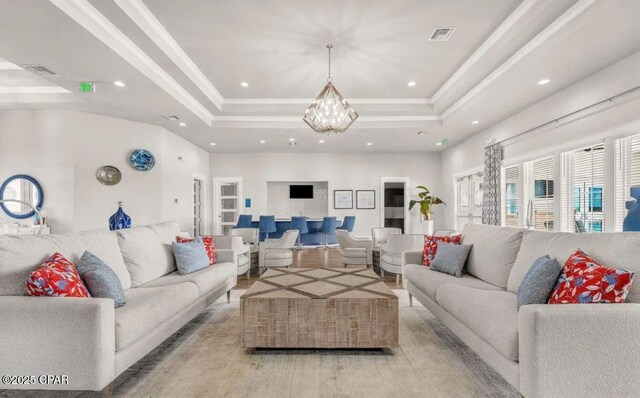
[(171, 117), (442, 34), (39, 70)]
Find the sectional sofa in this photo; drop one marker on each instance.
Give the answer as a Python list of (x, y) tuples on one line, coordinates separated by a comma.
[(87, 339), (562, 350)]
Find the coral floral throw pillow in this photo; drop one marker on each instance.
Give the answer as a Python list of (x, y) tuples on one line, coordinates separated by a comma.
[(583, 280), (57, 277), (209, 245), (431, 246)]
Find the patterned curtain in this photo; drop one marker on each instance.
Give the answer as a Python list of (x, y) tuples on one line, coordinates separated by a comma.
[(491, 185)]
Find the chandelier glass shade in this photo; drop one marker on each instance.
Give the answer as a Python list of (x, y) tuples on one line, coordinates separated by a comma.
[(330, 112)]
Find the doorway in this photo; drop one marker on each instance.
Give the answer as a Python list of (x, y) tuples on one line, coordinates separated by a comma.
[(227, 203), (469, 199), (395, 203)]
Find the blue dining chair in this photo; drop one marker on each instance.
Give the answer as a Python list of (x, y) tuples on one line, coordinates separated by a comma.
[(267, 225), (244, 221), (329, 225), (299, 223), (348, 223)]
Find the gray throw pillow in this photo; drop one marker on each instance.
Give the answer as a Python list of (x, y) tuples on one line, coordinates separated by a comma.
[(450, 258), (99, 279), (538, 283), (190, 256)]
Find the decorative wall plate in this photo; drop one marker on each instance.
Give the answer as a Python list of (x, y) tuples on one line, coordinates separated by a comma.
[(108, 175), (142, 160)]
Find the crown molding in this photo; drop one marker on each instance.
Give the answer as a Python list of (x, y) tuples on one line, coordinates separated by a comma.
[(307, 101), (534, 43), (97, 24), (144, 18), (509, 23)]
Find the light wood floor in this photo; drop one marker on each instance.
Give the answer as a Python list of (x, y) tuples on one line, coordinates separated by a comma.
[(317, 258)]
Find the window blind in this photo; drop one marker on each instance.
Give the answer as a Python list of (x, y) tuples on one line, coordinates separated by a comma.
[(627, 174), (583, 190), (540, 208), (511, 210)]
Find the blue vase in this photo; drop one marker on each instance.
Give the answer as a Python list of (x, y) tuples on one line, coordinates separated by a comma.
[(120, 220)]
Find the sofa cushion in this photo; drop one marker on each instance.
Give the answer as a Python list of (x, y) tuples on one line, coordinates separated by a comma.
[(280, 254), (207, 280), (583, 280), (493, 253), (431, 246), (428, 281), (537, 285), (191, 256), (450, 258), (57, 277), (100, 280), (491, 314), (353, 252), (616, 250), (148, 308), (147, 251), (392, 258), (19, 255), (209, 245)]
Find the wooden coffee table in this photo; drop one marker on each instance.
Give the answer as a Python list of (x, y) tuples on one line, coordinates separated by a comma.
[(319, 308)]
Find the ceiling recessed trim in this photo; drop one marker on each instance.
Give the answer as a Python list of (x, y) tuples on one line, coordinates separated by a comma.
[(305, 101), (538, 40), (511, 21), (97, 24), (288, 119), (34, 90), (144, 18)]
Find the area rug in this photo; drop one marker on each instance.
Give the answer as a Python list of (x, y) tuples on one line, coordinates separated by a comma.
[(204, 359)]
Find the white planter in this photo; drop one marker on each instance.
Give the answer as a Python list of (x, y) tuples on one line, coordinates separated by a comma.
[(427, 227)]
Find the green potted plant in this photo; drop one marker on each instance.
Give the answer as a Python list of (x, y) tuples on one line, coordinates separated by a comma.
[(426, 202)]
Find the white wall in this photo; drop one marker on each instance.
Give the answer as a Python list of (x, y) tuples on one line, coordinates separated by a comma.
[(341, 171), (610, 119), (62, 149), (281, 205)]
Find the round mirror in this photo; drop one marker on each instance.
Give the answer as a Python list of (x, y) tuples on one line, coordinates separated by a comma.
[(24, 188)]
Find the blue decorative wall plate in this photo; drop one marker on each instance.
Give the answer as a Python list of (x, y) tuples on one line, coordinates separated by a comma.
[(142, 160)]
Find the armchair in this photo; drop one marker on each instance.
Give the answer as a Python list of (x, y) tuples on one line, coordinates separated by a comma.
[(277, 252), (391, 252), (243, 251), (355, 250), (248, 235), (381, 235)]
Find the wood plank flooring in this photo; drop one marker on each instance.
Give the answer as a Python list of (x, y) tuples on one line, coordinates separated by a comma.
[(317, 258)]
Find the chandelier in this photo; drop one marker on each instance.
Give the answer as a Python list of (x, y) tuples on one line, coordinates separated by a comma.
[(330, 112)]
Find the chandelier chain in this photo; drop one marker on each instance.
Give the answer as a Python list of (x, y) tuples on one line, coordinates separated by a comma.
[(329, 47)]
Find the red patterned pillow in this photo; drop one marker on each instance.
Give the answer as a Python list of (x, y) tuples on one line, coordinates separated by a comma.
[(209, 245), (431, 246), (56, 277), (583, 280)]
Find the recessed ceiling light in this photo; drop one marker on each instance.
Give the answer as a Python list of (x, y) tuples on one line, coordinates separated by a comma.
[(475, 122), (292, 139), (212, 143), (119, 83), (244, 84), (439, 143), (544, 81), (263, 141), (411, 84), (369, 143), (321, 141), (182, 124)]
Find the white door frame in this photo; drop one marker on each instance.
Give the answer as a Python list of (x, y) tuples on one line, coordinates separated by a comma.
[(203, 200), (407, 194), (217, 182)]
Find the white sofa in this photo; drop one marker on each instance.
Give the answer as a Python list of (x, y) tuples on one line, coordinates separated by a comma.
[(86, 338), (563, 350)]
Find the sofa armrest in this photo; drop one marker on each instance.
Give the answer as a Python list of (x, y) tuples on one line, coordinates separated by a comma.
[(58, 336), (412, 257), (570, 350), (226, 256)]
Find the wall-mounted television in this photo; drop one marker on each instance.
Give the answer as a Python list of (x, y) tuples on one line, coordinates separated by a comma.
[(300, 191)]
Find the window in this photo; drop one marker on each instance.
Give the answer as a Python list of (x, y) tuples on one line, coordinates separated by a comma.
[(627, 174), (540, 203), (583, 190), (511, 176)]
